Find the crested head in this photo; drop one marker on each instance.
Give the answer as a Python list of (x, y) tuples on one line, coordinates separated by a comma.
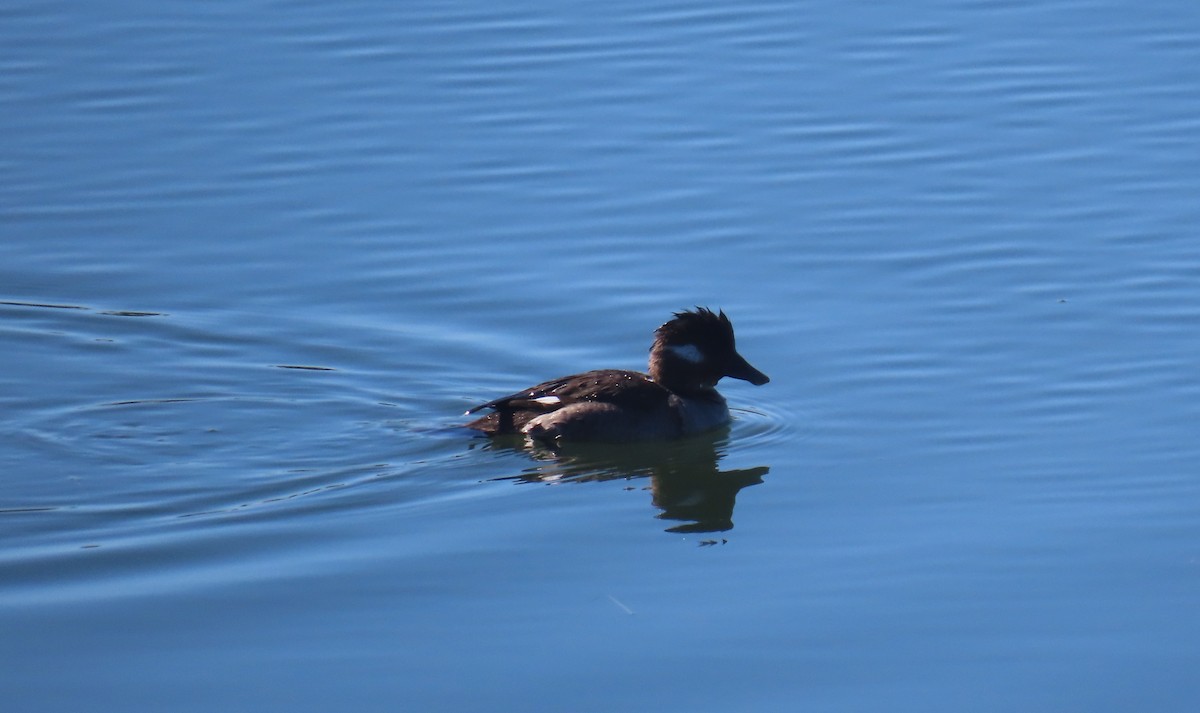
[(694, 350), (708, 332)]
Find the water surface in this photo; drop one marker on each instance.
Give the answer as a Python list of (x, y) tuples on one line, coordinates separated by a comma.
[(258, 259)]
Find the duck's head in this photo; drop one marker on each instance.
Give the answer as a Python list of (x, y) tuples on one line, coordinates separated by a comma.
[(695, 350)]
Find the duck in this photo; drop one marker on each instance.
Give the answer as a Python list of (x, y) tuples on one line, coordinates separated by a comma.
[(675, 399)]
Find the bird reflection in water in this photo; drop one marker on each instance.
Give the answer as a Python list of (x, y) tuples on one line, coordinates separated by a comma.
[(685, 481)]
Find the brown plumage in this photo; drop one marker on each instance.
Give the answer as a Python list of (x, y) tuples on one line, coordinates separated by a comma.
[(690, 354)]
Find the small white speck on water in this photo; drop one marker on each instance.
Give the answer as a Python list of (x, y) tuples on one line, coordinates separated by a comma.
[(621, 605)]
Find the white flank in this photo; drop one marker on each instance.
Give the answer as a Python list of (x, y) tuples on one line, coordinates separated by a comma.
[(548, 400), (687, 352)]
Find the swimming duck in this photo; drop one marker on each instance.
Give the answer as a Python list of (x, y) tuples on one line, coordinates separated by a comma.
[(678, 397)]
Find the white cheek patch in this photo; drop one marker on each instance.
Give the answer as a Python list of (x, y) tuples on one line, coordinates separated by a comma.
[(687, 352), (548, 400)]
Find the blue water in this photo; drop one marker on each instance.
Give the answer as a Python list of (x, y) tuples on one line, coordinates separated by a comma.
[(256, 259)]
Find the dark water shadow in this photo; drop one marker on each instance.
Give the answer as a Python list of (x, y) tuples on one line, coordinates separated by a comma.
[(686, 481)]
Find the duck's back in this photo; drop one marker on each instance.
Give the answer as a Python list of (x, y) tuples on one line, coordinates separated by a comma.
[(602, 405)]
